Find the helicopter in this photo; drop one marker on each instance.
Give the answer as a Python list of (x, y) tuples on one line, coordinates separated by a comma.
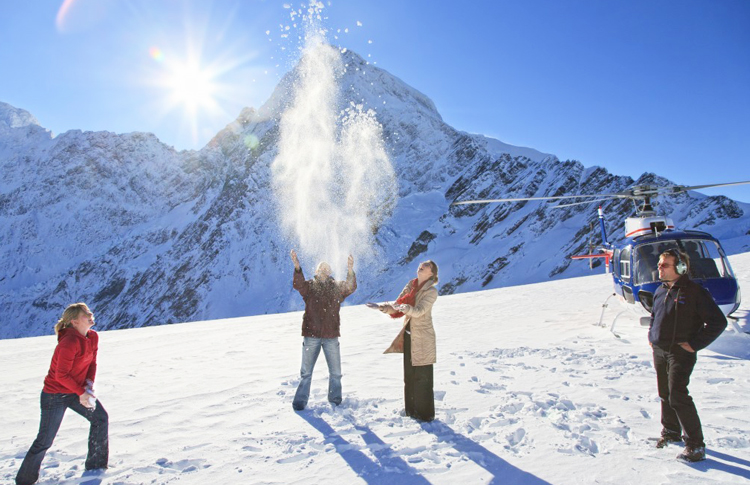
[(633, 263)]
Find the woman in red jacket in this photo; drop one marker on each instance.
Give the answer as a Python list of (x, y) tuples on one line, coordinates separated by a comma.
[(69, 384)]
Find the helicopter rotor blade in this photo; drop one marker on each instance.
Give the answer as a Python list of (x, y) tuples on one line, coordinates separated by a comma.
[(683, 188), (559, 206), (636, 192), (518, 199)]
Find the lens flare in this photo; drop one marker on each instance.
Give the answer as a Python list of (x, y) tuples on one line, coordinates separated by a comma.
[(251, 141), (156, 54), (62, 13)]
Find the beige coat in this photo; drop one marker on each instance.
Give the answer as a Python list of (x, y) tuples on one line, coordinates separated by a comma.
[(423, 347)]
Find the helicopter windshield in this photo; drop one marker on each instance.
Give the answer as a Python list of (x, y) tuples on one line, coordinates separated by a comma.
[(705, 259)]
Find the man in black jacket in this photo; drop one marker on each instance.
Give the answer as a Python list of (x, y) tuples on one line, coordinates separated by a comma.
[(685, 319)]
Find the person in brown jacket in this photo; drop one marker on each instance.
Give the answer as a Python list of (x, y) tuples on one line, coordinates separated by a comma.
[(417, 340), (320, 326)]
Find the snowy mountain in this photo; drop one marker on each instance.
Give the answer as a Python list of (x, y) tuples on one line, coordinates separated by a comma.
[(147, 235), (527, 392)]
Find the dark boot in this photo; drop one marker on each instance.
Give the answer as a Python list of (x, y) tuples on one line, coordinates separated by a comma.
[(666, 439), (692, 454)]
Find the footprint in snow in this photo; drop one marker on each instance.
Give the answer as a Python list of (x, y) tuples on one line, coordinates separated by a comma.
[(719, 380), (182, 466), (299, 457)]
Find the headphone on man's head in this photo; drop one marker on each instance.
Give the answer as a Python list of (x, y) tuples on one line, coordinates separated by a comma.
[(680, 266)]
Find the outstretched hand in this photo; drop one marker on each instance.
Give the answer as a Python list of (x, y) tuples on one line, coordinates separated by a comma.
[(295, 260), (350, 263), (387, 308)]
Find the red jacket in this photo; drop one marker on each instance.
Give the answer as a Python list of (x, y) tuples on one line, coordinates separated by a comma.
[(73, 362)]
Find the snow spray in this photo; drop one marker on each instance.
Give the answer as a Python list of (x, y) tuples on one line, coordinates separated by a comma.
[(332, 178)]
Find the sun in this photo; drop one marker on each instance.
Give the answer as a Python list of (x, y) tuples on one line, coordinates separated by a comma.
[(197, 75), (191, 86)]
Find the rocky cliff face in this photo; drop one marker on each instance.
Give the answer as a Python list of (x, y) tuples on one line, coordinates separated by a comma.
[(148, 236)]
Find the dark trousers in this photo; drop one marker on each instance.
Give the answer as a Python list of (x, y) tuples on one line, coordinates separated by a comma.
[(678, 413), (53, 409), (418, 396)]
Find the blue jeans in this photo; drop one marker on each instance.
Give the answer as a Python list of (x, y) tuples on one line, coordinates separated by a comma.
[(53, 409), (310, 351)]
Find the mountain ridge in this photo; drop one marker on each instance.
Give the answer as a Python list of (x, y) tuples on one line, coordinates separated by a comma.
[(148, 235)]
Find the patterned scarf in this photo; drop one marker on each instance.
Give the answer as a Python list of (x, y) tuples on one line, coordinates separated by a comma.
[(409, 298)]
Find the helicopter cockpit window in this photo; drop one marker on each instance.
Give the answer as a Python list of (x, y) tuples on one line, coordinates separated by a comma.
[(705, 260), (646, 260), (625, 263)]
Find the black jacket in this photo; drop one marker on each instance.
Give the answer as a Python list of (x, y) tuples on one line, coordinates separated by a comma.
[(685, 313)]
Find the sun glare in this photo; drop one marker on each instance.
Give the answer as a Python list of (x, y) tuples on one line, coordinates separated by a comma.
[(198, 74), (191, 87)]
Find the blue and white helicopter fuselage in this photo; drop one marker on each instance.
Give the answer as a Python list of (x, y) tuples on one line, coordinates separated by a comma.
[(633, 264)]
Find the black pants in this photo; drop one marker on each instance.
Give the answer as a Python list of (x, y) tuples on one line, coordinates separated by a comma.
[(418, 396), (678, 413), (53, 409)]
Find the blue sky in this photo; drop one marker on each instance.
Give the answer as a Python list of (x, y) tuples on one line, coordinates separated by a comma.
[(631, 85)]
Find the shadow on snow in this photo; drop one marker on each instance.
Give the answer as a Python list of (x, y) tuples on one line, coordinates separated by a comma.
[(502, 471), (392, 469), (389, 468)]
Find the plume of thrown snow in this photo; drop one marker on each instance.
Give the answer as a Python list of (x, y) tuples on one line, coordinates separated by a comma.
[(333, 180)]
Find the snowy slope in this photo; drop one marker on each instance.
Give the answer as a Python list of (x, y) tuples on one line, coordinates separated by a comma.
[(153, 236), (528, 391)]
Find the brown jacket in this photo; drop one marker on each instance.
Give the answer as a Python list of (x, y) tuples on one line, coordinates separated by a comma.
[(322, 303), (423, 346)]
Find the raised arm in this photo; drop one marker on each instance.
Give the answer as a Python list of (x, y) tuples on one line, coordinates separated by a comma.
[(351, 279), (298, 282), (295, 260)]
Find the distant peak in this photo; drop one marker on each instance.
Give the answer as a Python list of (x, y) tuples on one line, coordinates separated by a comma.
[(13, 117)]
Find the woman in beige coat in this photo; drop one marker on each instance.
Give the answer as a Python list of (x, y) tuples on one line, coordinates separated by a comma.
[(417, 340)]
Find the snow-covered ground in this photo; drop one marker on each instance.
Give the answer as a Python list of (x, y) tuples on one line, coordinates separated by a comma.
[(527, 388)]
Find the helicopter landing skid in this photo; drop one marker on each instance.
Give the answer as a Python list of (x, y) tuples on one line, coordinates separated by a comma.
[(601, 317), (612, 328), (733, 321), (604, 307)]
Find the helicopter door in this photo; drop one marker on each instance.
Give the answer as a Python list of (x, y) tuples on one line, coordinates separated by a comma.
[(624, 264), (616, 262), (624, 267)]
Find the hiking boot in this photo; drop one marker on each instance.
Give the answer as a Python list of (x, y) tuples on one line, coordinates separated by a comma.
[(666, 439), (692, 454)]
